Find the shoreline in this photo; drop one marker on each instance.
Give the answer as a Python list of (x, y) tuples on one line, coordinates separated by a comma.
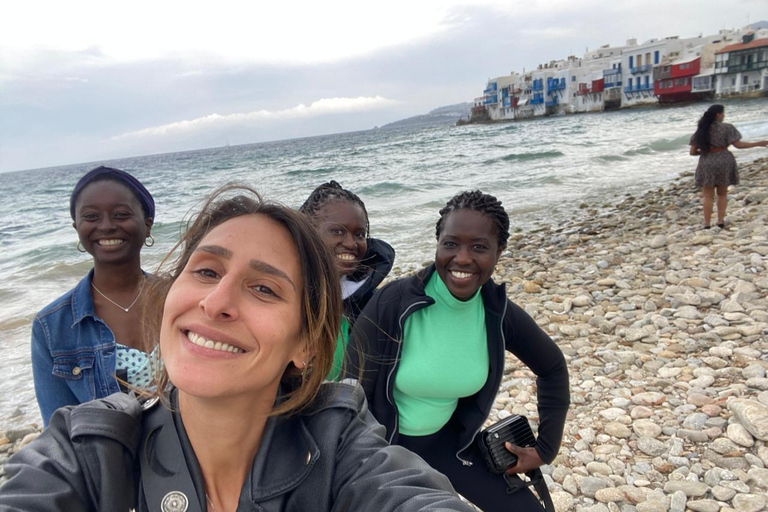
[(665, 330)]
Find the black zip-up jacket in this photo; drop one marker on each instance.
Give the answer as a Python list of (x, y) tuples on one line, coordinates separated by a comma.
[(376, 265), (109, 455), (377, 339)]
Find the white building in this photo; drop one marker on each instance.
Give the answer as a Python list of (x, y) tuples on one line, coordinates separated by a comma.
[(638, 64), (742, 68)]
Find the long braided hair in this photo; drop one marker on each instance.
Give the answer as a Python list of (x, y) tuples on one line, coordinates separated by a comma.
[(701, 137), (328, 193), (476, 201)]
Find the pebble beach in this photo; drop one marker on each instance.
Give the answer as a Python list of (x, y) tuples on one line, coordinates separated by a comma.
[(664, 327)]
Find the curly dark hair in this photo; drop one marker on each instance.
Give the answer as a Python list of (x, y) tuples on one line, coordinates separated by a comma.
[(476, 201), (701, 137), (328, 193)]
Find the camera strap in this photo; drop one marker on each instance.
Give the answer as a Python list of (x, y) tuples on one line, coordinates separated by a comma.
[(536, 480)]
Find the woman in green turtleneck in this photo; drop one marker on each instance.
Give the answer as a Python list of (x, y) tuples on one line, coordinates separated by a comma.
[(433, 348)]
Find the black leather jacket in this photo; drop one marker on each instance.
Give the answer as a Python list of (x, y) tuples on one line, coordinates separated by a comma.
[(110, 455)]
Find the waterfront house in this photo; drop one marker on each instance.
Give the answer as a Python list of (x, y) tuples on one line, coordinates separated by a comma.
[(666, 70), (608, 61), (742, 68), (589, 97), (673, 81), (638, 65)]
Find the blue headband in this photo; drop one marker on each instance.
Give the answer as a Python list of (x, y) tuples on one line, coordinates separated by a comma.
[(122, 177)]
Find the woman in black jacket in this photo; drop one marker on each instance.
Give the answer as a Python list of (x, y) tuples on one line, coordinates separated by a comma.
[(342, 221), (246, 320), (433, 356)]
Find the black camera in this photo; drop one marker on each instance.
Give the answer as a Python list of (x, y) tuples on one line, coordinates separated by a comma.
[(514, 429)]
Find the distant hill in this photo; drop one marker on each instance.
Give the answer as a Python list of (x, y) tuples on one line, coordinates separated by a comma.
[(441, 115), (759, 24)]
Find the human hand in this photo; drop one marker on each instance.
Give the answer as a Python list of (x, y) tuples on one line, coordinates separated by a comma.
[(527, 459)]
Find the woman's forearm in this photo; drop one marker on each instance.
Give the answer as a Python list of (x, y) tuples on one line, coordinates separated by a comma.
[(746, 145)]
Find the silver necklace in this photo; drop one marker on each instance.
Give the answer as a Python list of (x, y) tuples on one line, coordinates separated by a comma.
[(210, 501), (141, 289)]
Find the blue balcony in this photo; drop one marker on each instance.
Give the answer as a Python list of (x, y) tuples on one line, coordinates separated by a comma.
[(641, 69), (638, 88), (612, 84), (538, 99), (538, 85), (555, 84), (552, 102), (491, 100), (490, 88)]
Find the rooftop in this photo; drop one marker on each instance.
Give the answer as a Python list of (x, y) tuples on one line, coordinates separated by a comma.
[(756, 43)]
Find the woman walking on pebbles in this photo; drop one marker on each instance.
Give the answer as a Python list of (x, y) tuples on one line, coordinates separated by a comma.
[(717, 166)]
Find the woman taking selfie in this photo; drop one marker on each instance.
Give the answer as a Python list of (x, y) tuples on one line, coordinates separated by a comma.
[(433, 357), (246, 319)]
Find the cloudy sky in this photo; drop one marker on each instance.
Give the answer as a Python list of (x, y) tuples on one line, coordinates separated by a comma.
[(84, 81)]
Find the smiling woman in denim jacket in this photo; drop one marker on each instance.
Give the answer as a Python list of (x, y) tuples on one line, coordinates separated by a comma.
[(87, 338)]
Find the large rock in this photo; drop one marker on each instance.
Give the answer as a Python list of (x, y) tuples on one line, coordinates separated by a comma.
[(16, 434), (562, 501), (582, 301), (599, 468), (756, 197), (609, 495), (749, 502), (691, 489), (652, 506), (678, 501), (649, 398), (646, 428), (651, 446), (619, 430), (758, 477), (658, 241), (590, 485), (703, 505), (737, 433), (752, 415)]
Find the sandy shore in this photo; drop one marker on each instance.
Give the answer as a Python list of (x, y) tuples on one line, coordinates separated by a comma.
[(665, 329)]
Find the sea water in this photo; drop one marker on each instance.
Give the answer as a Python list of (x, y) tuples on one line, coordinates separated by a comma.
[(541, 169)]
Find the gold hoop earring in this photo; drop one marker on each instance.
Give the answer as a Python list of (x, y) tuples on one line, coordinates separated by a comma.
[(79, 247), (149, 244)]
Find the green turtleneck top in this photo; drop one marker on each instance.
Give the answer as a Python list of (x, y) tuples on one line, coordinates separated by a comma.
[(342, 340), (444, 358)]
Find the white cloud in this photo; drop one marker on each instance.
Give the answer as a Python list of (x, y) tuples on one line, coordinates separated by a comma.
[(300, 31), (216, 122)]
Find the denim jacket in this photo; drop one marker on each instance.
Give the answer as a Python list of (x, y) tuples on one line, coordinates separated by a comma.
[(73, 352)]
